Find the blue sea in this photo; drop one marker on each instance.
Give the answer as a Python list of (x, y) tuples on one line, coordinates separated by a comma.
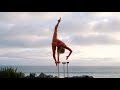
[(95, 71)]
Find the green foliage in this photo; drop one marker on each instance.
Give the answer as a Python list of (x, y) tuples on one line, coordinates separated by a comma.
[(9, 72)]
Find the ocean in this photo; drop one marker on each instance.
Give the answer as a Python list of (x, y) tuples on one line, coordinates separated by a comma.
[(95, 71)]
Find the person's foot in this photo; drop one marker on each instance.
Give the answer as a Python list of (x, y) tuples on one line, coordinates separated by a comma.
[(59, 19)]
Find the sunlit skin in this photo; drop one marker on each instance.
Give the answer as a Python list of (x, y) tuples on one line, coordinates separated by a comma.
[(59, 45)]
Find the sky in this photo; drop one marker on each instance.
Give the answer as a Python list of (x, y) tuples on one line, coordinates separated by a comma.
[(94, 37)]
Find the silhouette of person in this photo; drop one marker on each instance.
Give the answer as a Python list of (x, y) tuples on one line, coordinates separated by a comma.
[(59, 45)]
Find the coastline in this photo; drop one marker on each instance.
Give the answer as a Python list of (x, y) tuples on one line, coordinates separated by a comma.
[(43, 75)]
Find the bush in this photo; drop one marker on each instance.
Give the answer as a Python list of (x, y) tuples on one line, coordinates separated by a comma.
[(9, 72)]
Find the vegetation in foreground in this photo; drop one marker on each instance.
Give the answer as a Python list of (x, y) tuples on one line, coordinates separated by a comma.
[(9, 72)]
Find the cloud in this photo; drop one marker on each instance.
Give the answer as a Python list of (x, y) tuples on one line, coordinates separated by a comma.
[(25, 56), (93, 40), (28, 33), (107, 25), (95, 62), (25, 43), (27, 16), (17, 31)]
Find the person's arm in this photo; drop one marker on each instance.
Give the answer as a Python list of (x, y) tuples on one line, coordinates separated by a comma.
[(58, 56), (54, 53), (69, 53)]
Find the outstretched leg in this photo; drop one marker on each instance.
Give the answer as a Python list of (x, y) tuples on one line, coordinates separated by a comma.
[(54, 35), (55, 31)]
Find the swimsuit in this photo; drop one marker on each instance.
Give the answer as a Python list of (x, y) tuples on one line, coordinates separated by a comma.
[(58, 43)]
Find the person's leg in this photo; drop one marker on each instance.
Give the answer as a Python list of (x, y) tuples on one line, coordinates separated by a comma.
[(54, 35), (55, 31)]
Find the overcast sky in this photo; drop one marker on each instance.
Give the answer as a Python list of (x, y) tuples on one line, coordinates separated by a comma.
[(94, 37)]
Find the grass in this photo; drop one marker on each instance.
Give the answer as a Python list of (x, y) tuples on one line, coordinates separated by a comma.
[(9, 72)]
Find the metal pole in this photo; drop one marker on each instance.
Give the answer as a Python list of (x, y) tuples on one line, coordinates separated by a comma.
[(64, 67), (67, 68), (58, 70)]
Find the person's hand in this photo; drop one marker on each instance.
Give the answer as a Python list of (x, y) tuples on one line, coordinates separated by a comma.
[(67, 57), (59, 19), (56, 63)]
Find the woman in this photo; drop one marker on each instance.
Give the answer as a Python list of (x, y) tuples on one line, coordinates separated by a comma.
[(60, 45)]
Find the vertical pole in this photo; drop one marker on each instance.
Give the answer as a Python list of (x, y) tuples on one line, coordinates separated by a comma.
[(67, 68), (64, 67), (58, 70)]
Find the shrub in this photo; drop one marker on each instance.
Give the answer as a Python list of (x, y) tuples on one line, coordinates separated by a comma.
[(9, 72)]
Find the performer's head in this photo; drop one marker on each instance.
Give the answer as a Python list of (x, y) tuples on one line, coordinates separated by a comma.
[(61, 50)]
